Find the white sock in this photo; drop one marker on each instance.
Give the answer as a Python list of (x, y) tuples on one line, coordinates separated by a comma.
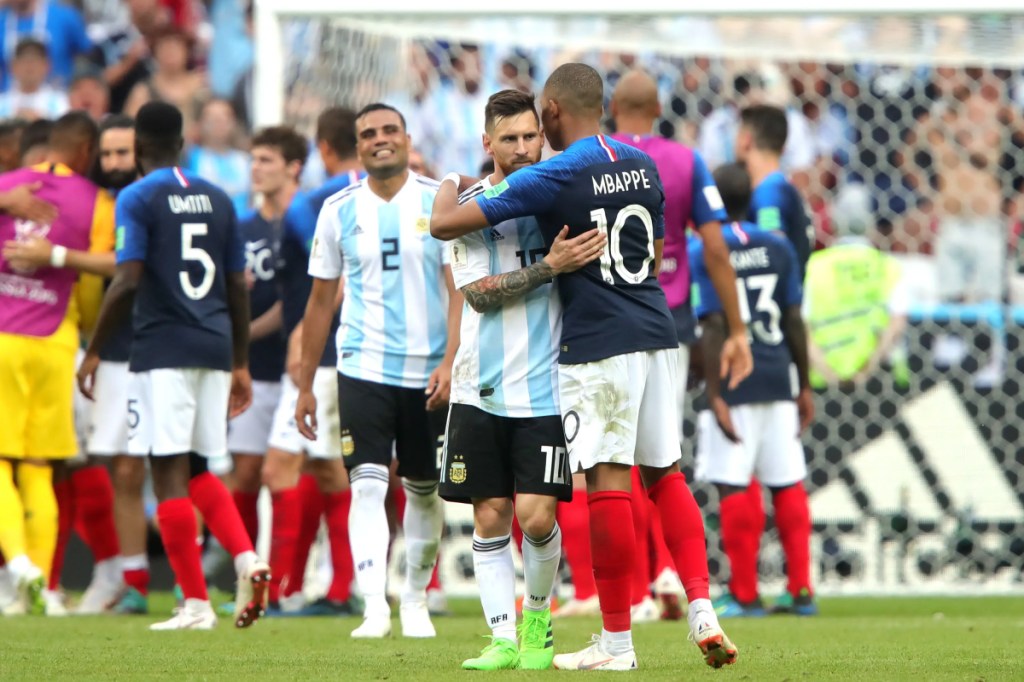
[(369, 535), (108, 570), (422, 524), (135, 562), (19, 566), (243, 561), (540, 567), (702, 609), (617, 643), (496, 578)]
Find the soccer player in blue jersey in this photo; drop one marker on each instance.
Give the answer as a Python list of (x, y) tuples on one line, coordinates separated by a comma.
[(298, 501), (398, 336), (278, 154), (504, 436), (181, 262), (775, 203), (618, 348), (755, 427)]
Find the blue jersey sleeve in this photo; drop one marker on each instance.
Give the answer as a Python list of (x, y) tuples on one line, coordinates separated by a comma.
[(234, 257), (705, 298), (129, 215), (528, 191), (299, 224), (707, 202)]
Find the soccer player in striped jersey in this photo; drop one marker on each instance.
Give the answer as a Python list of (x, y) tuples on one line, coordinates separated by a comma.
[(397, 340), (504, 436), (755, 426), (618, 349), (180, 256)]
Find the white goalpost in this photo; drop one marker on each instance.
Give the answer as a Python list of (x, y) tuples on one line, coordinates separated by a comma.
[(916, 481)]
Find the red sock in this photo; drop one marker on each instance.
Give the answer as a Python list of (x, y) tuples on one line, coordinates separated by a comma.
[(793, 518), (435, 577), (517, 534), (247, 505), (641, 530), (683, 528), (739, 521), (214, 502), (661, 558), (283, 535), (65, 494), (760, 519), (94, 511), (178, 529), (611, 529), (574, 519), (337, 506), (137, 578), (311, 509)]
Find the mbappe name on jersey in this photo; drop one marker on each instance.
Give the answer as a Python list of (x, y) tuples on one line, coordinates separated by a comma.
[(610, 183)]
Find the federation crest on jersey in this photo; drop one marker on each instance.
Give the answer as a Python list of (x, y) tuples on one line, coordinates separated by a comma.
[(423, 224), (348, 446), (457, 471)]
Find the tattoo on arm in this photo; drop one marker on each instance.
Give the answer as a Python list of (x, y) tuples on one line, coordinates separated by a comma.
[(494, 291)]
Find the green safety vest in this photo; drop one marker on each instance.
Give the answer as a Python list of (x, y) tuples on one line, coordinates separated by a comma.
[(848, 286)]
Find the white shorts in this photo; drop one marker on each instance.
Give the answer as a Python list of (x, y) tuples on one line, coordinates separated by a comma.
[(249, 432), (621, 410), (285, 434), (770, 447), (108, 420), (176, 411)]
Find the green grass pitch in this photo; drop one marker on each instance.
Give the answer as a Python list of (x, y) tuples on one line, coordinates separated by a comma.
[(914, 639)]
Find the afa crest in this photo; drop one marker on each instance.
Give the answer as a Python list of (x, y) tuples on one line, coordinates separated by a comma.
[(348, 446), (423, 224), (457, 471)]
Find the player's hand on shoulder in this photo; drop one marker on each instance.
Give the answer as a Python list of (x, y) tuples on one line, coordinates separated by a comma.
[(805, 408), (439, 387), (87, 374), (569, 255), (22, 202), (241, 392), (29, 254), (305, 414), (724, 418), (737, 360)]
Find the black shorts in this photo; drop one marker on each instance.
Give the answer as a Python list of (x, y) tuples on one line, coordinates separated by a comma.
[(377, 419), (490, 456)]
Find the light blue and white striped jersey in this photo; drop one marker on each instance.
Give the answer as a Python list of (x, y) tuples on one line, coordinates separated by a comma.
[(394, 325), (507, 363), (46, 102), (228, 170)]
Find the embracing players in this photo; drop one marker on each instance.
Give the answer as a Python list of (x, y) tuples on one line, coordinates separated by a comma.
[(504, 436), (619, 349)]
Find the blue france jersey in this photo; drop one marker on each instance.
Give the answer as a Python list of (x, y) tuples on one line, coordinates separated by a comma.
[(184, 231), (768, 282), (262, 242), (394, 326), (507, 359), (775, 204), (298, 228), (613, 305)]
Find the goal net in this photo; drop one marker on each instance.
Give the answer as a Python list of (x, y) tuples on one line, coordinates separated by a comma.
[(911, 123)]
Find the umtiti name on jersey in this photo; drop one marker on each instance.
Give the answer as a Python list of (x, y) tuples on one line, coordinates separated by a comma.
[(193, 203)]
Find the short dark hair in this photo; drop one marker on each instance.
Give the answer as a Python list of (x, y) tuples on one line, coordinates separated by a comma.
[(116, 122), (35, 133), (380, 106), (768, 126), (577, 87), (733, 182), (29, 45), (337, 127), (12, 126), (158, 127), (73, 129), (505, 103), (286, 140)]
